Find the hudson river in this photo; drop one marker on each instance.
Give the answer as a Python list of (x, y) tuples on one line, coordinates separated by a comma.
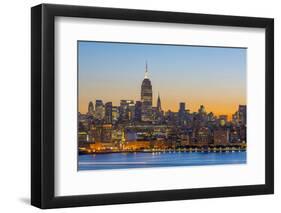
[(160, 159)]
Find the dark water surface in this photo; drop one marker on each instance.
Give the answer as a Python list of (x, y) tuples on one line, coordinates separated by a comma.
[(148, 160)]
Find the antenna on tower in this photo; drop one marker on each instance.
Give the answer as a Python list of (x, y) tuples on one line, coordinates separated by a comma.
[(146, 70)]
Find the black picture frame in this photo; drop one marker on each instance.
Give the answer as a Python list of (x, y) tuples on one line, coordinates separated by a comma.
[(43, 101)]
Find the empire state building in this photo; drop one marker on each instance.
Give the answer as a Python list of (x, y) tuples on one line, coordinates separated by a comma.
[(146, 98)]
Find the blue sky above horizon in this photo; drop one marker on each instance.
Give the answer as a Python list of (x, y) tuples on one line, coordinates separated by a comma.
[(212, 76)]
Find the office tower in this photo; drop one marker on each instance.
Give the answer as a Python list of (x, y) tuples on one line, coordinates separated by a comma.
[(131, 109), (108, 112), (99, 112), (146, 98), (210, 116), (159, 109), (235, 118), (182, 107), (126, 110), (115, 114), (202, 109), (182, 113), (90, 108), (123, 110), (242, 114), (138, 111)]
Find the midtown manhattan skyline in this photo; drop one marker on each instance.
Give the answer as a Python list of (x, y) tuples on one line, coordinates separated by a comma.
[(211, 76)]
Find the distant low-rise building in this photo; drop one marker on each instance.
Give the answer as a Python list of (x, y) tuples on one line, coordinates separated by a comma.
[(102, 133), (203, 136), (221, 137)]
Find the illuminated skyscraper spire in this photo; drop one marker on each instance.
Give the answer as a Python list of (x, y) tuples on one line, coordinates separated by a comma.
[(158, 103), (146, 70), (146, 97)]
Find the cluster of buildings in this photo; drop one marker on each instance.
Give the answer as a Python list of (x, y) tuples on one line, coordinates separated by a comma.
[(139, 126)]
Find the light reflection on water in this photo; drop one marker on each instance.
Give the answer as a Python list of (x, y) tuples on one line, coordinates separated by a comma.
[(157, 159)]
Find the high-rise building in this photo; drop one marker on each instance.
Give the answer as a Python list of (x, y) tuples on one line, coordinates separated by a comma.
[(159, 109), (99, 112), (202, 109), (138, 111), (91, 108), (242, 113), (243, 133), (146, 98), (131, 109), (182, 107), (115, 114), (182, 113), (123, 110), (235, 118), (126, 110), (210, 116), (108, 113)]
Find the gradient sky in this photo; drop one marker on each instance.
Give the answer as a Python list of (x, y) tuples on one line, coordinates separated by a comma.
[(212, 76)]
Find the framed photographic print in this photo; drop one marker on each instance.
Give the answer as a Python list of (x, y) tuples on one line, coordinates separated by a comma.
[(139, 106)]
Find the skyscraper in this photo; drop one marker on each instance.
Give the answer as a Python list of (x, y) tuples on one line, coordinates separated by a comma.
[(131, 110), (202, 109), (159, 104), (126, 110), (91, 108), (182, 113), (99, 113), (182, 107), (108, 112), (242, 113), (115, 114), (138, 111), (146, 98)]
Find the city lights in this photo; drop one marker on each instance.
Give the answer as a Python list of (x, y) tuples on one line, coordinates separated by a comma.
[(138, 126)]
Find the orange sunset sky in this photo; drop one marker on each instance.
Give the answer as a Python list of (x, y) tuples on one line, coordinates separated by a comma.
[(211, 76)]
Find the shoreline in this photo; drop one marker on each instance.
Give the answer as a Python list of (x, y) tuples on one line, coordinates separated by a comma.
[(165, 151)]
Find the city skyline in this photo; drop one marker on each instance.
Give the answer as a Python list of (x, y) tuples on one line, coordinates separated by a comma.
[(143, 100), (219, 82)]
